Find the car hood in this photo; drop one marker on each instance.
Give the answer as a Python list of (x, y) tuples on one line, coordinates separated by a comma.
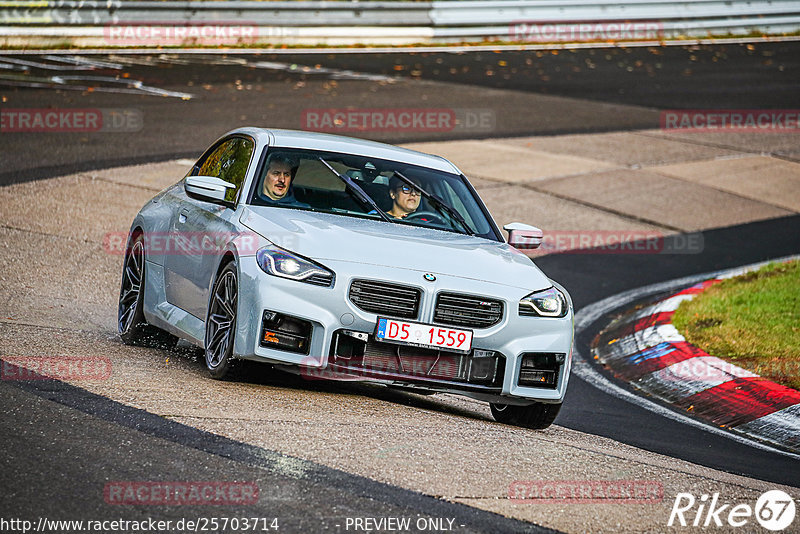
[(324, 236)]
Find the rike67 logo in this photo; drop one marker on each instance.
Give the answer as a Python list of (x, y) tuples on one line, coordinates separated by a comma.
[(774, 510)]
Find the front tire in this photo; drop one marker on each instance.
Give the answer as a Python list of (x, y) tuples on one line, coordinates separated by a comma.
[(221, 323), (131, 324), (537, 416)]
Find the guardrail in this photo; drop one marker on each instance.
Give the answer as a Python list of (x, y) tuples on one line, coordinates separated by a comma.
[(93, 23)]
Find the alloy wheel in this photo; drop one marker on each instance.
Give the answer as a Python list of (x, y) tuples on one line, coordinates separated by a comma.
[(131, 290), (221, 320)]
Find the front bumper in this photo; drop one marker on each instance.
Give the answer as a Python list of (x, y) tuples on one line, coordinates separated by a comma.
[(329, 312)]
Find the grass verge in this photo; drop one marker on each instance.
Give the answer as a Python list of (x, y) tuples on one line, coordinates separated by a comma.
[(752, 321)]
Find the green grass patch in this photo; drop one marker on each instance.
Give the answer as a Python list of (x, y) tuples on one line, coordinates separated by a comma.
[(752, 321)]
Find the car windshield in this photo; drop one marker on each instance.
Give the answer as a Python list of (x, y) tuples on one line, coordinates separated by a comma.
[(355, 186)]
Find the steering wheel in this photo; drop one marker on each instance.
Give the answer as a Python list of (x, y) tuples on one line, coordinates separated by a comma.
[(428, 216)]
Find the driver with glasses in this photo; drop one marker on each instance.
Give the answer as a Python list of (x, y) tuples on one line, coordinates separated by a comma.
[(405, 198)]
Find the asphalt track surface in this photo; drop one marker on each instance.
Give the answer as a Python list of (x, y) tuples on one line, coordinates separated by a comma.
[(74, 442), (117, 442), (612, 89), (591, 279)]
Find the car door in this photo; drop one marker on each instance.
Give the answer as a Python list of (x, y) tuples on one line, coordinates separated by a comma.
[(199, 230)]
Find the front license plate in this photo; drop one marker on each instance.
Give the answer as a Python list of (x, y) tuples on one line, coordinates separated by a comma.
[(424, 335)]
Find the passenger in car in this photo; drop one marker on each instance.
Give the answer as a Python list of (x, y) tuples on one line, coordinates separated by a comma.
[(405, 199), (277, 188)]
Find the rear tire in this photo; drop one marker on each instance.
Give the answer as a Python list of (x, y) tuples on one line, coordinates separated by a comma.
[(221, 323), (131, 324), (537, 416)]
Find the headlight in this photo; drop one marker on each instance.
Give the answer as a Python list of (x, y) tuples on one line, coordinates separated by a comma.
[(282, 263), (548, 303)]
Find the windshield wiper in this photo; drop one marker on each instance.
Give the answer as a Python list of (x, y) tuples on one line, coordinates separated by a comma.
[(438, 203), (356, 189)]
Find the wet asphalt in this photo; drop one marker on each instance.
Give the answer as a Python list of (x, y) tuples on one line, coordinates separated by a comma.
[(78, 441), (525, 92)]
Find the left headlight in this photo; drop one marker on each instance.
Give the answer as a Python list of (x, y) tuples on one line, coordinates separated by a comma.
[(284, 264), (547, 303)]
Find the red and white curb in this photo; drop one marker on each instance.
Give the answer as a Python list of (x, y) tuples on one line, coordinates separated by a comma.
[(644, 349)]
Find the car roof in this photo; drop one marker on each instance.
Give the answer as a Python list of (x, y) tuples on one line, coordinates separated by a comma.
[(348, 145)]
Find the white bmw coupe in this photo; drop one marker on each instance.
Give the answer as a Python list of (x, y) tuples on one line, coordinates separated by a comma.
[(347, 259)]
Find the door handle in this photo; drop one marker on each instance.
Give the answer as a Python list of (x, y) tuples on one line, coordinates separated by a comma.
[(182, 216)]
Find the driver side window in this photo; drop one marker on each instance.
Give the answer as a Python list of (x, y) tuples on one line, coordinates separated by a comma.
[(229, 161)]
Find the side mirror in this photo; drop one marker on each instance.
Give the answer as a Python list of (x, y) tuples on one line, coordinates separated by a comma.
[(523, 236), (208, 188)]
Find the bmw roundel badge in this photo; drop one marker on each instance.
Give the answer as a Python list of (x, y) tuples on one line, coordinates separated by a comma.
[(429, 277)]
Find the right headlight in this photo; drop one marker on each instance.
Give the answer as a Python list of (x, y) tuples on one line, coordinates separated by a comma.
[(279, 262), (546, 303)]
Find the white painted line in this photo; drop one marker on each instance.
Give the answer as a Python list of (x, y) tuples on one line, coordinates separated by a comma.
[(339, 74), (81, 61), (47, 66), (63, 82), (75, 63), (585, 370)]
